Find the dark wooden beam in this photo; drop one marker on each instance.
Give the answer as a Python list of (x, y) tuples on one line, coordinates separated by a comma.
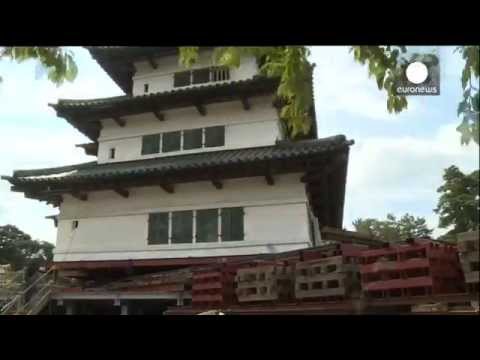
[(80, 196), (169, 188), (159, 115), (325, 211), (54, 218), (90, 148), (122, 192), (152, 63), (315, 177), (120, 122), (245, 103), (269, 178), (217, 183), (333, 200), (201, 108), (230, 171)]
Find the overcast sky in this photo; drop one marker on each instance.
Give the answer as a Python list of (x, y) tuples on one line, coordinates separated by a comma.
[(395, 166)]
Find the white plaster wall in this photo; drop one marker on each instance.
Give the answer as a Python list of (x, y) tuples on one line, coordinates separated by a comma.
[(256, 127), (114, 228), (161, 79)]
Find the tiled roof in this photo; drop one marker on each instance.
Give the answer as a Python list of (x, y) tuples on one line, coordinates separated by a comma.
[(82, 114), (117, 61), (66, 104), (93, 171)]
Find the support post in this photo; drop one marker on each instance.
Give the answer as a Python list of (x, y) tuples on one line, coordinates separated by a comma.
[(180, 299), (70, 308), (124, 309)]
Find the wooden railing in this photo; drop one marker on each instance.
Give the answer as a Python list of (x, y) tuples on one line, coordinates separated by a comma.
[(219, 73), (39, 291)]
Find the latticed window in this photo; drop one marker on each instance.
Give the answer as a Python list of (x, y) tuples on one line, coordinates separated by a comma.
[(232, 224), (220, 73), (192, 139), (171, 141), (151, 144), (201, 76), (181, 79), (178, 227), (182, 227), (215, 136), (207, 225), (158, 228)]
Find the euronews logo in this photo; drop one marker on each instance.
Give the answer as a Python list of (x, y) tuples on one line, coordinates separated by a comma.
[(420, 76)]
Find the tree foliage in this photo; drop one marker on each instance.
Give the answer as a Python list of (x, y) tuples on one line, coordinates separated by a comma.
[(458, 205), (58, 62), (391, 229), (288, 63), (468, 108), (387, 65), (19, 250)]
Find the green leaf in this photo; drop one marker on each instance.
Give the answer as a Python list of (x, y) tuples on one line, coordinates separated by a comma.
[(462, 106), (188, 55), (475, 102), (465, 77), (464, 130)]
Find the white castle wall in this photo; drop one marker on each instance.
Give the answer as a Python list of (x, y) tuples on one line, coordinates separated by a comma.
[(258, 126), (114, 228), (161, 79)]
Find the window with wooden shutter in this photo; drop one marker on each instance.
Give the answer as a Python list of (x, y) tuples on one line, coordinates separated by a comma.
[(201, 76), (192, 139), (182, 227), (158, 228), (151, 144), (181, 78), (232, 224), (171, 141), (207, 225), (215, 136)]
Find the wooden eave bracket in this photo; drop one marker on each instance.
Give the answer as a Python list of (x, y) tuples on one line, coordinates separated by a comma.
[(217, 183), (160, 116), (120, 122), (201, 108), (169, 188), (122, 192), (245, 103), (153, 63), (80, 196)]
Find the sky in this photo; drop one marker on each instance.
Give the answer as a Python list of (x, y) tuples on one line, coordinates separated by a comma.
[(395, 165)]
